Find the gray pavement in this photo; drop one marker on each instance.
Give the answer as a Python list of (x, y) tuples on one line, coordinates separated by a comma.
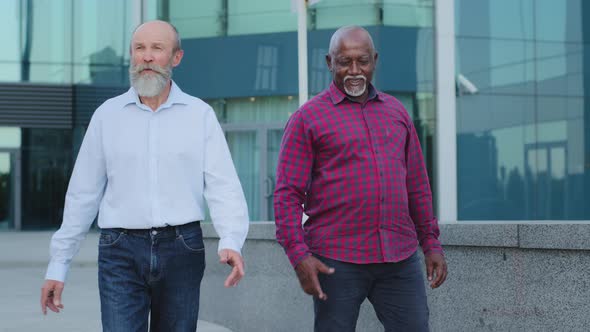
[(23, 259)]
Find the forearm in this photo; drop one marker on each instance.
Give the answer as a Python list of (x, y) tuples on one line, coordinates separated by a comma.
[(289, 230)]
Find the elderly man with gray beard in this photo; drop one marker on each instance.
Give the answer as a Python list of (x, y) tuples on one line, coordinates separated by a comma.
[(148, 162)]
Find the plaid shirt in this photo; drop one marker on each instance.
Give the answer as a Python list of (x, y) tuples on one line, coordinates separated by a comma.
[(359, 173)]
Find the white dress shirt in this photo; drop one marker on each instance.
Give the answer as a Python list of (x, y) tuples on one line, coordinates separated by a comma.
[(141, 169)]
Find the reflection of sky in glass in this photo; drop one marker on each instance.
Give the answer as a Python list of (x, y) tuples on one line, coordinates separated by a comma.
[(10, 137), (4, 163), (10, 31)]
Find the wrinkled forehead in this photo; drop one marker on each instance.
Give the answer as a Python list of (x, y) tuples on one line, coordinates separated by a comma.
[(153, 32)]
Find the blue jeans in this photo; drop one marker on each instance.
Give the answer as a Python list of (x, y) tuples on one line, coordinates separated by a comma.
[(153, 273), (396, 291)]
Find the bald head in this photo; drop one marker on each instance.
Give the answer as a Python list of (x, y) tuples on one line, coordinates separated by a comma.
[(351, 32), (352, 59), (165, 30)]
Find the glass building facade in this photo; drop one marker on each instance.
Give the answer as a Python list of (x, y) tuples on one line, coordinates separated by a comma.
[(523, 138), (522, 132)]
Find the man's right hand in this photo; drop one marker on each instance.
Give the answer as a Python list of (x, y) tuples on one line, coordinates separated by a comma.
[(307, 272), (51, 296)]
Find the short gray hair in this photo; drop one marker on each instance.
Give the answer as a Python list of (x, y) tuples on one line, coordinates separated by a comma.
[(177, 44), (337, 36)]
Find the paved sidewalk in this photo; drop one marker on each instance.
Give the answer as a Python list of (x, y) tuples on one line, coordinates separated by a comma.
[(23, 259)]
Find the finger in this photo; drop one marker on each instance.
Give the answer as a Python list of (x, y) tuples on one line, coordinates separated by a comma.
[(234, 277), (317, 288), (323, 268), (57, 296), (52, 306), (429, 268), (441, 275), (44, 301), (223, 257)]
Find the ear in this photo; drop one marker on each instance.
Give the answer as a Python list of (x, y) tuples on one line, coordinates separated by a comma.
[(329, 62), (177, 57)]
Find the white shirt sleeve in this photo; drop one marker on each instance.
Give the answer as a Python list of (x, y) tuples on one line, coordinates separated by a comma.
[(85, 192), (223, 191)]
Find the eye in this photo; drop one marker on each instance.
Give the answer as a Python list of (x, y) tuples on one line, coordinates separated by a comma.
[(343, 62)]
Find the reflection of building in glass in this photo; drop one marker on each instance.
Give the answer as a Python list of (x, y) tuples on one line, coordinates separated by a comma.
[(107, 67), (522, 137)]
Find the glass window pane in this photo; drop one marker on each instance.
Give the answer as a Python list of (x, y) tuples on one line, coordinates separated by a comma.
[(495, 65), (262, 16), (529, 109), (102, 51), (50, 41), (197, 19), (411, 13), (330, 14), (491, 148), (255, 109), (10, 137), (6, 190), (46, 169), (10, 36), (505, 19), (245, 152), (561, 20)]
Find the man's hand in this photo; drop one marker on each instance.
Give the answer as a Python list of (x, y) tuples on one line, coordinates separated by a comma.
[(436, 264), (233, 259), (51, 296), (307, 272)]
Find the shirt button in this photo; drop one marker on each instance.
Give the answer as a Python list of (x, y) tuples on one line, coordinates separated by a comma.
[(382, 198), (154, 232)]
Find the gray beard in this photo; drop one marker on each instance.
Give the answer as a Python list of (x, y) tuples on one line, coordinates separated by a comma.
[(149, 85), (356, 91)]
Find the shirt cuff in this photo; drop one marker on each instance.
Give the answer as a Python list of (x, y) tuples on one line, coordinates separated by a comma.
[(431, 246), (57, 271), (227, 243), (297, 253)]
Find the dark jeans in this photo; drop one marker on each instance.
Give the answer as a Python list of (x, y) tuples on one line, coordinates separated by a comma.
[(396, 291), (153, 273)]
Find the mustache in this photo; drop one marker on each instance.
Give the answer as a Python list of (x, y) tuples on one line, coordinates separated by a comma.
[(354, 77), (136, 69)]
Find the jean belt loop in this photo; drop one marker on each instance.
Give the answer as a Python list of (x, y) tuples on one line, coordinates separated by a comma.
[(177, 229)]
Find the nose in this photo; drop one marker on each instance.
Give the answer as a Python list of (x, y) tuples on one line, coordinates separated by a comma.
[(147, 56), (355, 69)]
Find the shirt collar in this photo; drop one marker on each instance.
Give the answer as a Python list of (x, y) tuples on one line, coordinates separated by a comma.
[(338, 96), (176, 96)]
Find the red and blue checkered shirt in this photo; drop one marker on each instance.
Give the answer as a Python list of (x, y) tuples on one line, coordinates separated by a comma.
[(358, 172)]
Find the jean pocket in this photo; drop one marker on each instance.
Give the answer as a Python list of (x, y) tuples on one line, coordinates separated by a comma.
[(109, 238), (192, 242)]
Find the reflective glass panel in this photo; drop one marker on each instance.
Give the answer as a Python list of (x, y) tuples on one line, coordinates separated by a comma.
[(261, 16), (46, 169), (245, 152), (522, 111), (101, 50)]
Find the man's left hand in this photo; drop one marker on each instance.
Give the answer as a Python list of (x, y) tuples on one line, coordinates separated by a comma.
[(233, 259), (436, 269)]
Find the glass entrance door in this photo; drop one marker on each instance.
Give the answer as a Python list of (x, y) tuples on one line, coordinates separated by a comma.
[(9, 189)]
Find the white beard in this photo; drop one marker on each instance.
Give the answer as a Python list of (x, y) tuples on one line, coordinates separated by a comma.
[(356, 90), (149, 84)]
